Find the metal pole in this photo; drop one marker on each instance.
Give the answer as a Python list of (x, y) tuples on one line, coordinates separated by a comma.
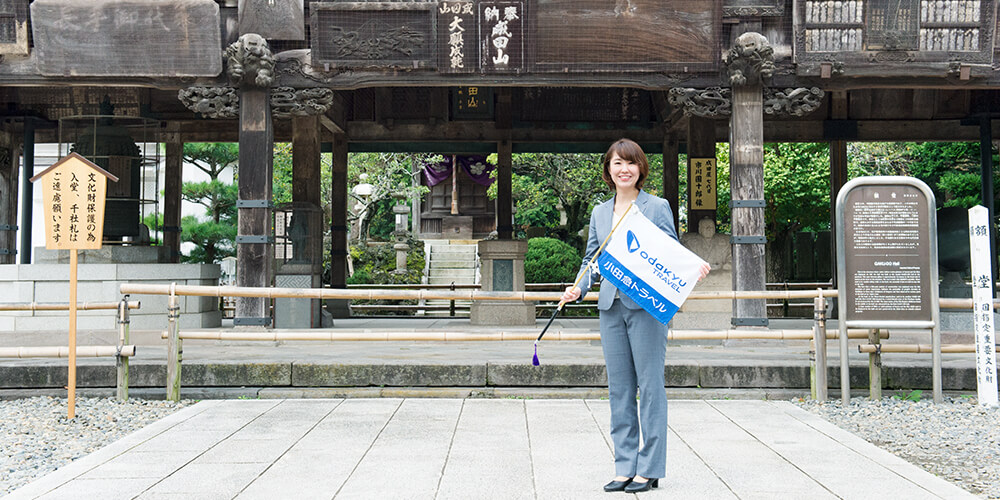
[(819, 340), (174, 349), (27, 193), (121, 362)]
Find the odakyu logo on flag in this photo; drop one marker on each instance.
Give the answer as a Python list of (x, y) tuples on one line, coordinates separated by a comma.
[(657, 273)]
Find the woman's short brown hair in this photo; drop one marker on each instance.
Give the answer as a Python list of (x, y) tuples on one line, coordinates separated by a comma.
[(629, 151)]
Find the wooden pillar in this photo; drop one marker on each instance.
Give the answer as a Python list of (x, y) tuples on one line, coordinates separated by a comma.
[(173, 177), (306, 160), (27, 193), (671, 177), (8, 200), (505, 210), (255, 242), (838, 170), (746, 177), (505, 206), (338, 223), (701, 144), (306, 185)]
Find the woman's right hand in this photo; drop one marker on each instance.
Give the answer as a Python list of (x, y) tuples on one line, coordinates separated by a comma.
[(571, 294)]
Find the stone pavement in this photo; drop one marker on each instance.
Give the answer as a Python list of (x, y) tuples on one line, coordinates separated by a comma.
[(337, 369), (478, 448)]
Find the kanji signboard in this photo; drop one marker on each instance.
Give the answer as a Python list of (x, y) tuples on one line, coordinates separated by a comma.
[(702, 184), (73, 193)]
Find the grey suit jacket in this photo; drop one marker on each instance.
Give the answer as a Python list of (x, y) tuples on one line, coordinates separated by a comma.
[(654, 208)]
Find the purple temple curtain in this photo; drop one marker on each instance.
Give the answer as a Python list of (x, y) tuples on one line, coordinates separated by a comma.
[(475, 166)]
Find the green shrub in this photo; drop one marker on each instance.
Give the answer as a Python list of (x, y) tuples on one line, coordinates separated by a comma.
[(550, 261), (376, 264)]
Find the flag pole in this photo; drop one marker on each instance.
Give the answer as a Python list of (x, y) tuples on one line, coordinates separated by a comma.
[(534, 359)]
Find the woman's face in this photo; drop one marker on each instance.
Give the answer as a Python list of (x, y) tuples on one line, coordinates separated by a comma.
[(624, 173)]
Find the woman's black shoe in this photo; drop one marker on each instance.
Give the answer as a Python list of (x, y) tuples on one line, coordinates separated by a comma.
[(617, 485), (635, 487)]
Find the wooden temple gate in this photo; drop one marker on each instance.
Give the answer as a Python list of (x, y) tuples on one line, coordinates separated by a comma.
[(493, 76)]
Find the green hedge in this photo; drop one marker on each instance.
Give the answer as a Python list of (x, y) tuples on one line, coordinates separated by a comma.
[(550, 261)]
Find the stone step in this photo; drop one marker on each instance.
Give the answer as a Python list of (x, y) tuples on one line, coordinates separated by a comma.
[(471, 266), (448, 281), (452, 272)]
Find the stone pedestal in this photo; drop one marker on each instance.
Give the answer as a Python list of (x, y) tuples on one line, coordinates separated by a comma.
[(502, 270), (297, 313), (716, 249)]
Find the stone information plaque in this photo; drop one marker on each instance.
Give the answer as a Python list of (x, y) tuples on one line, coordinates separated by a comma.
[(887, 237)]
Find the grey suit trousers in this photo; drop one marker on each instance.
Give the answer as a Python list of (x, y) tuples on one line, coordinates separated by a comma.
[(635, 345)]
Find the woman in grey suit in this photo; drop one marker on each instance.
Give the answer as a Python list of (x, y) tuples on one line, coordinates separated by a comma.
[(634, 342)]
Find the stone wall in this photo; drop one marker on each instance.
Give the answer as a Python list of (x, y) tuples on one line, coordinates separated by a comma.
[(48, 283)]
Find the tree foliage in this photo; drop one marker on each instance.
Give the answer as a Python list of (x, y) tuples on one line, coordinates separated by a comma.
[(950, 169), (544, 183), (215, 235), (390, 175)]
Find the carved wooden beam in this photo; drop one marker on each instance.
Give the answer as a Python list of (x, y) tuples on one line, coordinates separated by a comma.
[(286, 102)]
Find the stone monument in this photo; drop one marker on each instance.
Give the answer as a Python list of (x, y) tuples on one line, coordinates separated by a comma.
[(716, 249)]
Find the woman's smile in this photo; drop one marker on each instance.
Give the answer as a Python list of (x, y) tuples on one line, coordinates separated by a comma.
[(624, 172)]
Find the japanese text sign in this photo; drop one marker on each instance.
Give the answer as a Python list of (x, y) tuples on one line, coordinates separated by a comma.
[(702, 184), (73, 193), (982, 312)]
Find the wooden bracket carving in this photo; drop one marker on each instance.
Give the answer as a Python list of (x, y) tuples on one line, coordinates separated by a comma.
[(211, 102), (751, 60), (708, 102), (286, 102), (250, 62), (792, 101), (717, 101)]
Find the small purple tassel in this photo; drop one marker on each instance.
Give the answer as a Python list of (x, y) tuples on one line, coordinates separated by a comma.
[(534, 359)]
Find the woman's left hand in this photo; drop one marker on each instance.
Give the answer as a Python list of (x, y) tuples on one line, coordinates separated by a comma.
[(704, 269)]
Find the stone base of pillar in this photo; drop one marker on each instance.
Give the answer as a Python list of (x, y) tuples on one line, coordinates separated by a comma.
[(338, 308), (502, 270), (708, 314), (297, 313), (503, 313)]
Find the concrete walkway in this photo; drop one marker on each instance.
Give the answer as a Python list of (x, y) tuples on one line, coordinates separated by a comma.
[(478, 448)]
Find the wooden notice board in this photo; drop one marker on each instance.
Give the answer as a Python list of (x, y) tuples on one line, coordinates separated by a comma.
[(74, 191), (73, 194)]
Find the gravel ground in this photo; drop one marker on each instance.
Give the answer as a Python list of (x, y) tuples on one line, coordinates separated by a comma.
[(36, 437), (957, 440)]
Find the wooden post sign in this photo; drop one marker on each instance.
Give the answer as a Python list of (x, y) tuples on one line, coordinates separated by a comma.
[(982, 312), (73, 194)]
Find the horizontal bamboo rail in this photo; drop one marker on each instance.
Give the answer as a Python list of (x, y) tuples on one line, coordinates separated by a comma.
[(47, 306), (963, 303), (916, 348), (447, 336), (63, 351), (383, 294)]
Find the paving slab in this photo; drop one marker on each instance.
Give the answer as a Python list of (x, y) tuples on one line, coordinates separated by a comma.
[(476, 448)]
